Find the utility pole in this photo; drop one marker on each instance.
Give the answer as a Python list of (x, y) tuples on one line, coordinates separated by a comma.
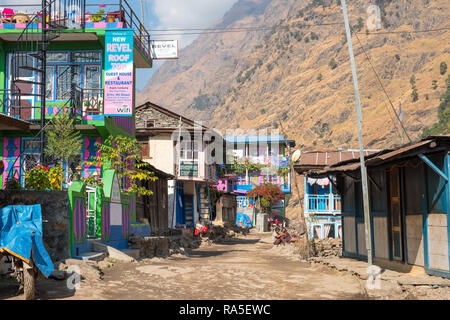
[(361, 145), (142, 12)]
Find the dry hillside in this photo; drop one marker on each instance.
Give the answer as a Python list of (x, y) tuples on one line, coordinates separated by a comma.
[(285, 73)]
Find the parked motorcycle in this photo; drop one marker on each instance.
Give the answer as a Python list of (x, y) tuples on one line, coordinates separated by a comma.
[(21, 242)]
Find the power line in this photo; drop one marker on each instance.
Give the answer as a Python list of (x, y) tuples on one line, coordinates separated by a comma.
[(414, 31), (168, 32), (245, 28), (382, 87)]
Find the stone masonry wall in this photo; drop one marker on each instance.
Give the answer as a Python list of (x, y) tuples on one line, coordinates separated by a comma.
[(55, 209)]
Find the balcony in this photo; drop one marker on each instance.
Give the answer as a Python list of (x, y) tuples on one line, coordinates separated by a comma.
[(322, 204), (74, 15), (83, 104)]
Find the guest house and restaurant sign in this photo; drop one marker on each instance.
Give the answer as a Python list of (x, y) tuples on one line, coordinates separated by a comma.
[(118, 98)]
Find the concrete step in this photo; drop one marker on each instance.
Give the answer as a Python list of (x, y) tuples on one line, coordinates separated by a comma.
[(91, 256), (134, 253), (114, 253)]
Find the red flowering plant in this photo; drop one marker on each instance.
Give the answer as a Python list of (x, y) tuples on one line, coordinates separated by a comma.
[(43, 178), (266, 194)]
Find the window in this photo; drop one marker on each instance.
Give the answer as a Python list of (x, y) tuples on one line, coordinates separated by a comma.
[(81, 68), (49, 85), (92, 74), (85, 56), (57, 57), (189, 150), (65, 77)]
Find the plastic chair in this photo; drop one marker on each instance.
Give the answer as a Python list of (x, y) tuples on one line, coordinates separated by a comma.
[(7, 13)]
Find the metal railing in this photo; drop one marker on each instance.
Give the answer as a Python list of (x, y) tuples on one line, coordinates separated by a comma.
[(329, 203), (74, 14), (123, 12), (91, 102)]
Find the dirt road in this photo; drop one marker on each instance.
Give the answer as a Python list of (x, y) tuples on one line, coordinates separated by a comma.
[(242, 268)]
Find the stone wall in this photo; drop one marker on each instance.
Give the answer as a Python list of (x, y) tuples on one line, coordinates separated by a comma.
[(55, 209), (160, 120)]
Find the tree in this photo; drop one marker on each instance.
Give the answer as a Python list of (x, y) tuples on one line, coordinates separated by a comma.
[(122, 154), (414, 93), (265, 195), (434, 84), (443, 68), (332, 64), (443, 125), (63, 140)]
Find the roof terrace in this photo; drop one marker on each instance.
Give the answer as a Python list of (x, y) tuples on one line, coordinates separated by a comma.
[(76, 16)]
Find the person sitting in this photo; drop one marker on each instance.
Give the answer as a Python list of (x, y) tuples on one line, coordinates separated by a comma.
[(285, 236), (276, 237), (200, 228)]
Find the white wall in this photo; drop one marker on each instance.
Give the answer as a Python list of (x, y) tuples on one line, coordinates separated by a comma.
[(381, 238), (437, 241), (362, 249), (349, 234), (161, 152), (414, 239)]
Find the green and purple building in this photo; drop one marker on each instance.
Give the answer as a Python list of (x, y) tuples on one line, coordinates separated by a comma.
[(83, 61)]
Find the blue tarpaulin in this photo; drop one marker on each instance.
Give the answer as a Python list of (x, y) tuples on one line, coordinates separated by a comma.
[(243, 220), (21, 235)]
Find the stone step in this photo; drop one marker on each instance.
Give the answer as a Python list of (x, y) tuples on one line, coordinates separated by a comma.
[(91, 256), (114, 253), (134, 253)]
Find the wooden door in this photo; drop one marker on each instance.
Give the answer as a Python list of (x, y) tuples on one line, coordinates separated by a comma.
[(396, 214), (189, 210)]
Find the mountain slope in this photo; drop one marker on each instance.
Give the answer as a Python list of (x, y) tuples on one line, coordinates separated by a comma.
[(300, 75)]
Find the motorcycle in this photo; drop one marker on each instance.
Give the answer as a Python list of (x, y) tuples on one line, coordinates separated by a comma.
[(21, 243)]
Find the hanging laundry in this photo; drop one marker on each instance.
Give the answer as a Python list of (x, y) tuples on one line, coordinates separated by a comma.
[(323, 182)]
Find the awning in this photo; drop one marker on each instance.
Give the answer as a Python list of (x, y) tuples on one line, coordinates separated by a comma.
[(10, 123)]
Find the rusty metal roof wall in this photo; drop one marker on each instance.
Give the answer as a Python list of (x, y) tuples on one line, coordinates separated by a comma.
[(382, 156), (328, 158)]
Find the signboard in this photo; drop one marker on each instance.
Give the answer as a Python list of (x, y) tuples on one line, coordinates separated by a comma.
[(118, 99), (164, 49), (188, 169)]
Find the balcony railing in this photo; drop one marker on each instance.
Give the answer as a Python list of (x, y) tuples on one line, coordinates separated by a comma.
[(81, 103), (92, 102), (329, 203), (75, 14)]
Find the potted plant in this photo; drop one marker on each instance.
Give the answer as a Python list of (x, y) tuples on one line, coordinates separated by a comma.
[(97, 17), (111, 18)]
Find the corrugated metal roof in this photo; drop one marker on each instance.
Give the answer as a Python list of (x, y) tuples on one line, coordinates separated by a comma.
[(328, 158), (382, 156)]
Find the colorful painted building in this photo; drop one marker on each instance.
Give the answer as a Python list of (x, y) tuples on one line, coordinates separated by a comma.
[(272, 152), (82, 61), (179, 146), (322, 201)]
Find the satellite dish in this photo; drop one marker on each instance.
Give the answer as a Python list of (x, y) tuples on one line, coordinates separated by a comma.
[(296, 155)]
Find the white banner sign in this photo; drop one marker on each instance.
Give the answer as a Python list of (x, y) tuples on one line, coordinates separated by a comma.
[(164, 49)]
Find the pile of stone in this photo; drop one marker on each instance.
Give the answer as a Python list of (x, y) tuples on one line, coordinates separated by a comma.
[(150, 247), (87, 270), (218, 233), (183, 244), (327, 248)]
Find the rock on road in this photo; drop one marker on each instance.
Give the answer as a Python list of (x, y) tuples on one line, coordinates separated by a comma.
[(242, 268)]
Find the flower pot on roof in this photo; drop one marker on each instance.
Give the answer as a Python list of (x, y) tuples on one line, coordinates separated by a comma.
[(98, 17)]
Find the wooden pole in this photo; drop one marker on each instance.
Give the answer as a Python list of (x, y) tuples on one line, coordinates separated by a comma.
[(360, 138)]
